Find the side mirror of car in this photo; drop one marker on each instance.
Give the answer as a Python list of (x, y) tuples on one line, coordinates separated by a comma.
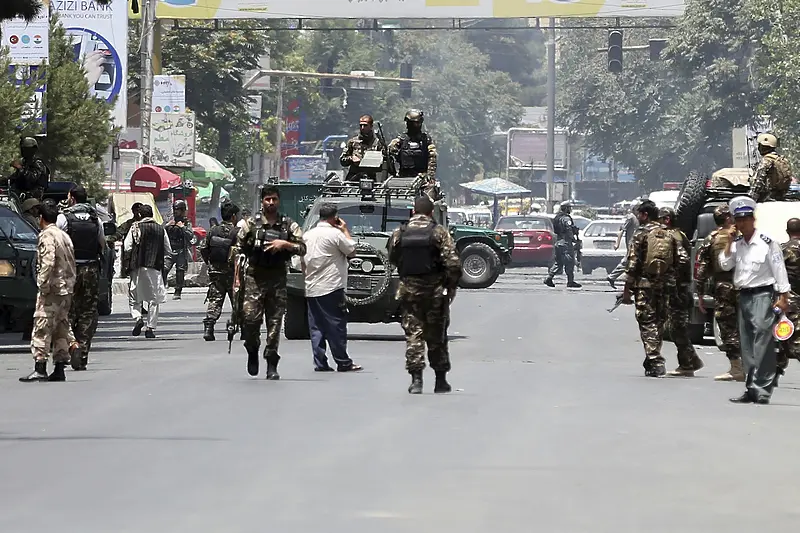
[(109, 228)]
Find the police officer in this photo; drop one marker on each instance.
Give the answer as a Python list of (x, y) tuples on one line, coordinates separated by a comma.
[(181, 237), (268, 241), (414, 152), (566, 236), (429, 268), (31, 176), (81, 223), (357, 146), (215, 251), (773, 175), (679, 301)]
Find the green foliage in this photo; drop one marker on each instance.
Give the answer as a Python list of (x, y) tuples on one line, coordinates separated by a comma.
[(12, 101)]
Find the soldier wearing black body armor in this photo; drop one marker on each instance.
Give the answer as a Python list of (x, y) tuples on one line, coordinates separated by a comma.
[(414, 152), (31, 176), (181, 237), (566, 237), (82, 224), (216, 252)]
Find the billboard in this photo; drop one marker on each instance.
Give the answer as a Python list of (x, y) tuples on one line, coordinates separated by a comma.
[(414, 9), (27, 43), (172, 136), (527, 149)]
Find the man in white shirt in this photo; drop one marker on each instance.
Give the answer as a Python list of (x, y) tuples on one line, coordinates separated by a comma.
[(760, 273), (325, 264)]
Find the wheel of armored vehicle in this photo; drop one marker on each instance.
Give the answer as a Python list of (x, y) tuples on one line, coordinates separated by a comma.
[(480, 266), (690, 202)]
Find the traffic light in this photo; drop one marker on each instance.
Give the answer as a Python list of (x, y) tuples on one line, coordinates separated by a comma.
[(656, 47), (135, 7), (406, 71), (615, 51)]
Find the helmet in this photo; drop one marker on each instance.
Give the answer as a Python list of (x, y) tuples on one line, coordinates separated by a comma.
[(665, 212), (767, 139), (415, 115), (29, 204), (179, 204), (28, 142)]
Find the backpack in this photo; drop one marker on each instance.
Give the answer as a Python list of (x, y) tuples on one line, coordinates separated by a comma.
[(781, 179), (660, 252)]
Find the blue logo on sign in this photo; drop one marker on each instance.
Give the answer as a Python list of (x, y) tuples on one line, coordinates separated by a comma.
[(26, 39)]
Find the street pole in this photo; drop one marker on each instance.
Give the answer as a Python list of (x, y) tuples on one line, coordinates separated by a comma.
[(148, 29), (279, 125), (551, 111)]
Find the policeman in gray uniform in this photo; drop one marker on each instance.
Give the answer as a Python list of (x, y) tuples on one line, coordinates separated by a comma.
[(566, 233), (760, 274)]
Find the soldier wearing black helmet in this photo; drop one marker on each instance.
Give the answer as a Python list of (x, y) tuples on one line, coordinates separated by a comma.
[(181, 237), (414, 152), (31, 175)]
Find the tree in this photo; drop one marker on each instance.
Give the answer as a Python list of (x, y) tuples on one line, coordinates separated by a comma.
[(13, 99)]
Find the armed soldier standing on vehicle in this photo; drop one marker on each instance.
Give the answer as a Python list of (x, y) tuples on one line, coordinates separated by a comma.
[(429, 268), (268, 241), (415, 154), (181, 237), (655, 254), (215, 251), (84, 228), (31, 175), (357, 146), (566, 237), (790, 349), (55, 277), (679, 302), (773, 175)]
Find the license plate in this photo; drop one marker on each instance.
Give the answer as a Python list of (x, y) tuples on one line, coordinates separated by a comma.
[(604, 245), (359, 284), (521, 240)]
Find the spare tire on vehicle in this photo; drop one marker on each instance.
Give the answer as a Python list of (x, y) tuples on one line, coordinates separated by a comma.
[(691, 200)]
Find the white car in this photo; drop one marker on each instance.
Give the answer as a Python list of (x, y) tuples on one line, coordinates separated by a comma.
[(599, 238)]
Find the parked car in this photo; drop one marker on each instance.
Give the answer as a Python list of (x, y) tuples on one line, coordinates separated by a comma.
[(598, 240), (533, 238)]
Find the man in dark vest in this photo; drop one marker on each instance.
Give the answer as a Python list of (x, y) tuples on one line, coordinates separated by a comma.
[(415, 153), (148, 245), (83, 226), (216, 252), (181, 239)]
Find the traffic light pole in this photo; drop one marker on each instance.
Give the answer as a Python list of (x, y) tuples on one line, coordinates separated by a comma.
[(551, 112)]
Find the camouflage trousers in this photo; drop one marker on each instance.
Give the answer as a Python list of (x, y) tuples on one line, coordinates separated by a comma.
[(790, 349), (651, 314), (425, 320), (678, 303), (264, 299), (220, 284), (51, 327), (726, 301), (83, 315)]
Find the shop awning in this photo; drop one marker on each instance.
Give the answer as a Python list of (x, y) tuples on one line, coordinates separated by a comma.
[(148, 178)]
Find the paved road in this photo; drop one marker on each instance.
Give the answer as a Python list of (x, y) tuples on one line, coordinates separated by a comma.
[(553, 428)]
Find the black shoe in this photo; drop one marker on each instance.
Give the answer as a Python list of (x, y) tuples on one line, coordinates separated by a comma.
[(272, 367), (150, 334), (442, 386), (574, 285), (58, 373), (612, 283), (763, 401), (656, 371), (252, 361), (208, 333), (176, 296), (744, 398), (352, 368), (84, 362), (549, 282), (416, 383), (323, 369), (39, 373), (75, 357), (137, 328)]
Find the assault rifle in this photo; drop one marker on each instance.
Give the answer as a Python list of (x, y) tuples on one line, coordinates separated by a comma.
[(235, 322), (617, 303), (389, 160)]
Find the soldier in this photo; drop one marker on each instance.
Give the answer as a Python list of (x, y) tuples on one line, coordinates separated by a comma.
[(655, 254), (414, 153), (773, 175), (181, 237), (82, 224), (268, 241), (679, 302), (122, 229), (31, 176), (357, 146), (628, 229), (30, 211), (566, 234), (215, 251), (790, 349), (429, 268), (725, 295), (55, 277)]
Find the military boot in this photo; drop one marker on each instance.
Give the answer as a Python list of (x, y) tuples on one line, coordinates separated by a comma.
[(58, 373), (442, 386), (272, 367), (416, 383), (549, 282), (252, 359), (208, 332), (572, 284), (39, 373)]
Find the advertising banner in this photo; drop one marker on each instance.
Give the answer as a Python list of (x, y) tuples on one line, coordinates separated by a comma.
[(99, 35), (527, 149), (27, 43), (169, 93), (172, 136), (410, 9)]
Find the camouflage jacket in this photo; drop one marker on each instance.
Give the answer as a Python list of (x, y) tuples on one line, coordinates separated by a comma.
[(683, 270), (357, 146), (394, 152), (707, 263), (55, 262), (450, 275), (247, 236), (791, 257), (635, 270), (772, 179)]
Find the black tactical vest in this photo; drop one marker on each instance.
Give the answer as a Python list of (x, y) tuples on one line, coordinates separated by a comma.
[(177, 236), (82, 228), (149, 252), (419, 253), (413, 154), (261, 236), (220, 240)]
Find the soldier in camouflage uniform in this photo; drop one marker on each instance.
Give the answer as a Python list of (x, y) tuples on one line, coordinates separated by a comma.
[(428, 264), (357, 146), (679, 302), (215, 251), (725, 295), (31, 176), (268, 241), (55, 277), (646, 279), (773, 175), (790, 349), (415, 154)]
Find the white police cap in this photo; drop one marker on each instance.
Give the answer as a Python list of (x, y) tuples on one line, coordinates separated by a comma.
[(742, 206)]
